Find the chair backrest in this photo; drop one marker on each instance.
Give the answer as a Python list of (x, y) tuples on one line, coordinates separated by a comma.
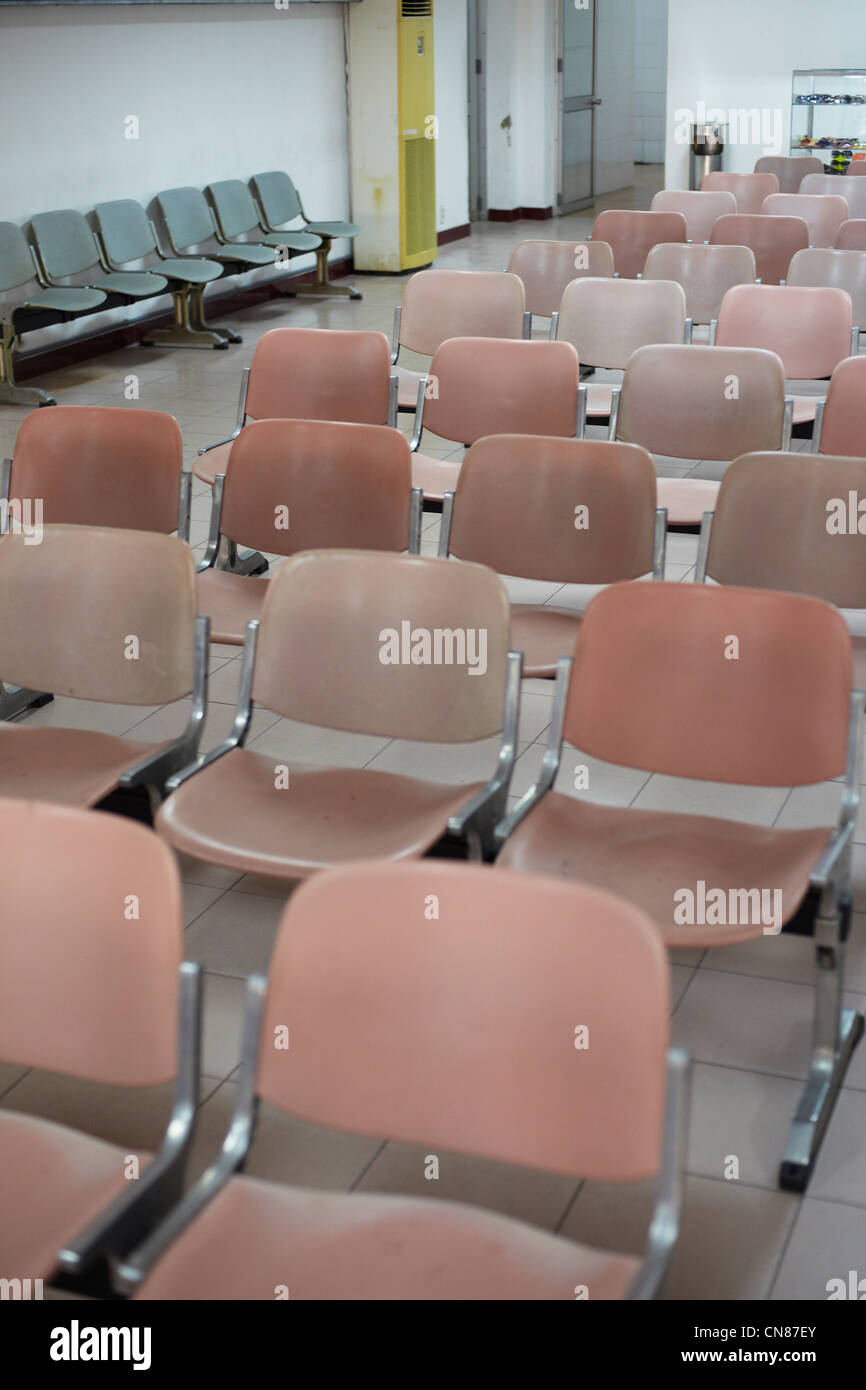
[(819, 267), (320, 374), (16, 264), (810, 329), (307, 484), (84, 991), (790, 170), (695, 681), (65, 242), (844, 426), (277, 197), (454, 1035), (706, 273), (700, 208), (186, 215), (98, 614), (702, 402), (824, 213), (441, 304), (607, 320), (394, 645), (580, 511), (750, 190), (630, 235), (854, 193), (125, 230), (773, 240), (857, 166), (100, 466), (546, 267), (782, 522), (851, 236), (234, 206), (481, 386)]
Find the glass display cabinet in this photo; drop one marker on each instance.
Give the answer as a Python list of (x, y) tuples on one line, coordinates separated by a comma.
[(828, 115)]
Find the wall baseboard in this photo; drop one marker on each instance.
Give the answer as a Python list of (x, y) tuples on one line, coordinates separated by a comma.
[(453, 234), (50, 359), (519, 214)]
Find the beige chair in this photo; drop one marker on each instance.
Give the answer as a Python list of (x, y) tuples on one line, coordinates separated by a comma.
[(572, 511), (706, 273), (369, 643), (481, 386), (105, 615), (447, 1033), (699, 208), (700, 403), (823, 213), (607, 320), (441, 304), (97, 995), (652, 687), (750, 190), (786, 521), (546, 267), (791, 170), (294, 485), (843, 270)]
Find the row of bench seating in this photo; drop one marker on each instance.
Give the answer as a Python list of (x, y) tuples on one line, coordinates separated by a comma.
[(74, 267)]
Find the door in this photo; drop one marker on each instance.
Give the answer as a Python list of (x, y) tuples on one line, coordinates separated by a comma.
[(476, 13), (577, 103)]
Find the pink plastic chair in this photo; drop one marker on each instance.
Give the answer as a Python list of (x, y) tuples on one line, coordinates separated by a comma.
[(823, 213), (750, 190), (450, 1036), (773, 240), (790, 170), (699, 208), (840, 420), (854, 192), (631, 235), (547, 267), (851, 236), (856, 167), (811, 330)]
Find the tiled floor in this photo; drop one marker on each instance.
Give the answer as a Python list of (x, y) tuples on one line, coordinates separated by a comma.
[(743, 1011)]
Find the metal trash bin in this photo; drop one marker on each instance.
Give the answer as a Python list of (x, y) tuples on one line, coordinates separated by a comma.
[(707, 147)]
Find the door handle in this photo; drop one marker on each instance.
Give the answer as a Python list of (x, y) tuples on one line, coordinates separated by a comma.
[(595, 101)]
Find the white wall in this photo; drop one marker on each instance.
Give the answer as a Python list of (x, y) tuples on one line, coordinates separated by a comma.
[(614, 84), (650, 80), (220, 91), (452, 149), (741, 56)]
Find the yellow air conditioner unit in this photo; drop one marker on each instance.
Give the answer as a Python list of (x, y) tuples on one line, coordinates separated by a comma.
[(393, 133)]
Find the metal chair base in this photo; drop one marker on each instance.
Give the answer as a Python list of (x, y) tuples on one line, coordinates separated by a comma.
[(14, 699), (325, 288), (249, 562), (826, 1074), (185, 337), (14, 394)]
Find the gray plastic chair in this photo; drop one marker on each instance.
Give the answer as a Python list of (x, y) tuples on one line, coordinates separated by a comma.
[(65, 246), (124, 234), (280, 203), (26, 304), (236, 216)]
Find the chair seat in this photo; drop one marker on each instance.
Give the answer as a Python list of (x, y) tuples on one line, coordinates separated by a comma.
[(134, 283), (206, 466), (543, 634), (407, 387), (647, 856), (256, 1237), (71, 766), (55, 1180), (435, 476), (65, 300), (334, 229), (294, 241), (804, 409), (250, 252), (232, 814), (598, 400), (686, 499), (858, 654), (196, 270), (230, 601)]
